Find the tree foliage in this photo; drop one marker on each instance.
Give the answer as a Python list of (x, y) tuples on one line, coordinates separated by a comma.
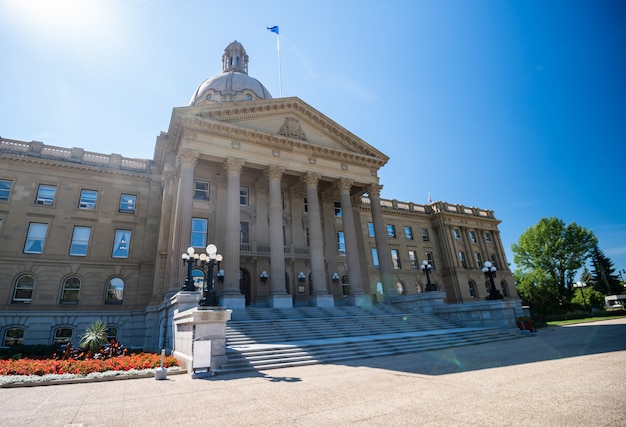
[(605, 279), (548, 256)]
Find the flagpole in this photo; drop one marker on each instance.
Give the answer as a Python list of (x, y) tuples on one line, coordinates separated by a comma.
[(280, 80)]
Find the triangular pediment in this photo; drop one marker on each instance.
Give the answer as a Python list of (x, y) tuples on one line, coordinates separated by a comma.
[(283, 121)]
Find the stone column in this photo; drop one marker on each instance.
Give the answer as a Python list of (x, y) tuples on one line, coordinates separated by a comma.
[(357, 296), (181, 236), (321, 297), (385, 264), (232, 297), (278, 296)]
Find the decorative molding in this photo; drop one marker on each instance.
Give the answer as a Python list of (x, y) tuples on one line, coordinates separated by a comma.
[(311, 179), (344, 184), (188, 158), (312, 160), (291, 128), (233, 166), (274, 173), (276, 153)]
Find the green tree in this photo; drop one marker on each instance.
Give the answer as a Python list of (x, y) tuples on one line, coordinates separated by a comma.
[(95, 336), (605, 279), (534, 289), (553, 252)]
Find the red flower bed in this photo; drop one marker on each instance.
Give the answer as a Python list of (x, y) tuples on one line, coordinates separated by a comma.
[(84, 367)]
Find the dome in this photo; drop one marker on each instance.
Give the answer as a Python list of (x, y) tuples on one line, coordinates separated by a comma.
[(233, 83)]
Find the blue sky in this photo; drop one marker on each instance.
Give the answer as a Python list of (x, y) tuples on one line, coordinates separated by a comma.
[(516, 106)]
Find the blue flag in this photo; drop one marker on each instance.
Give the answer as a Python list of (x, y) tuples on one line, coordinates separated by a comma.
[(273, 29)]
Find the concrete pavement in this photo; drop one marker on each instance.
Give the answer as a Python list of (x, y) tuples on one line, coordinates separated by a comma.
[(563, 376)]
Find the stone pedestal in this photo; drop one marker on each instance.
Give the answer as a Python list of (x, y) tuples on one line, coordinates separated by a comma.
[(280, 301), (233, 301), (200, 324), (360, 300), (323, 301)]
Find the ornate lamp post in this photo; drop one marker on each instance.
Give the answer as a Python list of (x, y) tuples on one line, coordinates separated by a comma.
[(189, 258), (335, 278), (490, 272), (264, 276), (208, 262), (301, 277), (580, 285), (426, 269)]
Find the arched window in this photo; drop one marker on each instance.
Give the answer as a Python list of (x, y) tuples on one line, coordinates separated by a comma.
[(62, 335), (112, 333), (505, 288), (400, 288), (115, 291), (24, 287), (70, 291), (13, 336), (472, 289)]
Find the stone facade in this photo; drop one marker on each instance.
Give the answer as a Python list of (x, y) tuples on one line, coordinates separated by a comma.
[(275, 184)]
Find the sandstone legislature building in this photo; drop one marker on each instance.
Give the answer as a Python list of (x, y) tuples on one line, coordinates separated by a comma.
[(290, 198)]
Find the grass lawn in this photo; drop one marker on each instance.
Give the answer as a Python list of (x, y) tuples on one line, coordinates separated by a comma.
[(585, 320)]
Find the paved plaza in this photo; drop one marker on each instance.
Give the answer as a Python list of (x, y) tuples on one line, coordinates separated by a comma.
[(563, 376)]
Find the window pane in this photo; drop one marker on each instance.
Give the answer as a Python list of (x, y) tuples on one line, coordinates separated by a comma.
[(45, 195), (370, 229), (121, 244), (391, 231), (341, 243), (71, 291), (62, 336), (201, 190), (337, 208), (5, 189), (243, 196), (88, 199), (413, 259), (115, 290), (80, 241), (127, 203), (13, 336), (395, 259), (408, 232), (24, 287), (375, 257), (198, 232), (36, 238), (243, 232), (425, 236)]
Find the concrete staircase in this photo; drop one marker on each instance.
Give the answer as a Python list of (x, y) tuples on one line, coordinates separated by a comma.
[(267, 338)]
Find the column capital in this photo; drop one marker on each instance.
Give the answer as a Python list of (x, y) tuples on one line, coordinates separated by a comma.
[(233, 166), (373, 190), (188, 158), (311, 179), (344, 184), (274, 173)]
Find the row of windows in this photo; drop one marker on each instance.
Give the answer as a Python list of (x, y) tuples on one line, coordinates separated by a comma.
[(70, 290), (395, 259), (62, 335), (473, 290), (472, 236), (478, 258), (46, 195), (37, 232), (202, 191), (391, 232)]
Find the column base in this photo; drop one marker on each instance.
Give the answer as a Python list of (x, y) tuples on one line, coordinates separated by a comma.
[(280, 301), (360, 300), (323, 301), (233, 301)]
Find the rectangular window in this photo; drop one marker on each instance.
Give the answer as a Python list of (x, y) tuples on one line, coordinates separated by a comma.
[(5, 189), (462, 259), (244, 228), (36, 238), (306, 205), (425, 236), (493, 260), (431, 259), (457, 234), (337, 208), (472, 236), (243, 196), (487, 237), (45, 195), (80, 241), (375, 258), (391, 230), (201, 190), (370, 229), (128, 203), (121, 244), (308, 240), (341, 243), (395, 259), (408, 233), (198, 232), (88, 199), (479, 260), (413, 260)]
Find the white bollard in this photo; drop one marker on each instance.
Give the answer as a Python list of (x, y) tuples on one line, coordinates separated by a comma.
[(161, 373)]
